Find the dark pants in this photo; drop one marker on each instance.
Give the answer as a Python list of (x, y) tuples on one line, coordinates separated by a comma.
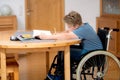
[(75, 53)]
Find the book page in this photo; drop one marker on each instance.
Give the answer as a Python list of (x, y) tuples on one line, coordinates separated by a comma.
[(40, 32)]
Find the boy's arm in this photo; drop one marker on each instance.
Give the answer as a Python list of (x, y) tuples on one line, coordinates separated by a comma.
[(59, 36)]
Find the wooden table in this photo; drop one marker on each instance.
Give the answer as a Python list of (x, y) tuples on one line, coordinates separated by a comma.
[(7, 46)]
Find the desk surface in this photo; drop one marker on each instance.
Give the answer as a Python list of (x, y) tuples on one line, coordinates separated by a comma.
[(7, 46), (6, 43)]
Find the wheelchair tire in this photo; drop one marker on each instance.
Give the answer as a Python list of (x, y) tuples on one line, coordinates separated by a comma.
[(109, 70)]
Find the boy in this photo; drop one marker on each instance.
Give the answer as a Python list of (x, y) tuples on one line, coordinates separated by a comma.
[(77, 30)]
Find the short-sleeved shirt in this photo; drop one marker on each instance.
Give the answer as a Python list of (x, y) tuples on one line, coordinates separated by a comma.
[(91, 39)]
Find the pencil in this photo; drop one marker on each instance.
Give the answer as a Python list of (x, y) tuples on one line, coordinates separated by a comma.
[(54, 30)]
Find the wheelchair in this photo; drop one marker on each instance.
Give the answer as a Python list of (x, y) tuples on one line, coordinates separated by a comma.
[(94, 65)]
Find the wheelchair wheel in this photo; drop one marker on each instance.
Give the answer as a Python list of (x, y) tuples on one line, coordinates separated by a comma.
[(98, 65)]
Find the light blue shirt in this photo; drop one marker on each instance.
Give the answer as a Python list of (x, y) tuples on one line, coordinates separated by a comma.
[(91, 39)]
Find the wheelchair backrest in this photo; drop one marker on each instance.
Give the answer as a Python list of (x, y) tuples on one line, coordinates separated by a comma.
[(102, 33)]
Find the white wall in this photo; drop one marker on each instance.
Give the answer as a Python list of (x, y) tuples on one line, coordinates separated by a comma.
[(89, 10), (18, 10)]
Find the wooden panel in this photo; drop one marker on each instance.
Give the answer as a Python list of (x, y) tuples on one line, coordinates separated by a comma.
[(45, 14), (8, 23), (111, 23), (118, 40), (36, 69)]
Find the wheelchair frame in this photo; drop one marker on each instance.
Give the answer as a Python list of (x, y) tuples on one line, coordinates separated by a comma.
[(100, 74)]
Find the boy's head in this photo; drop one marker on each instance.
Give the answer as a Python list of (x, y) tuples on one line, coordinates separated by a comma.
[(73, 19)]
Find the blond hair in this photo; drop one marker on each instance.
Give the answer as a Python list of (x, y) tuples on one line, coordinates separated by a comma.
[(73, 18)]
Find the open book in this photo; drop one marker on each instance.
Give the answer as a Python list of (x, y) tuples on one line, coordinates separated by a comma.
[(28, 35), (40, 32)]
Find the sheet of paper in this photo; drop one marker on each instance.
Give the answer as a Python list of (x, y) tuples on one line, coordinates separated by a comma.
[(40, 32)]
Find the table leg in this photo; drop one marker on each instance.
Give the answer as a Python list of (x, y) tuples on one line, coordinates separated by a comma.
[(67, 63), (3, 64)]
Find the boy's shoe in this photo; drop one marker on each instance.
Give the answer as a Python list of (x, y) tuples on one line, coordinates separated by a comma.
[(53, 77), (50, 77)]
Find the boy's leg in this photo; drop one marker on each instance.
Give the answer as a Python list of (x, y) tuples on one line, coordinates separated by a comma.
[(75, 54)]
